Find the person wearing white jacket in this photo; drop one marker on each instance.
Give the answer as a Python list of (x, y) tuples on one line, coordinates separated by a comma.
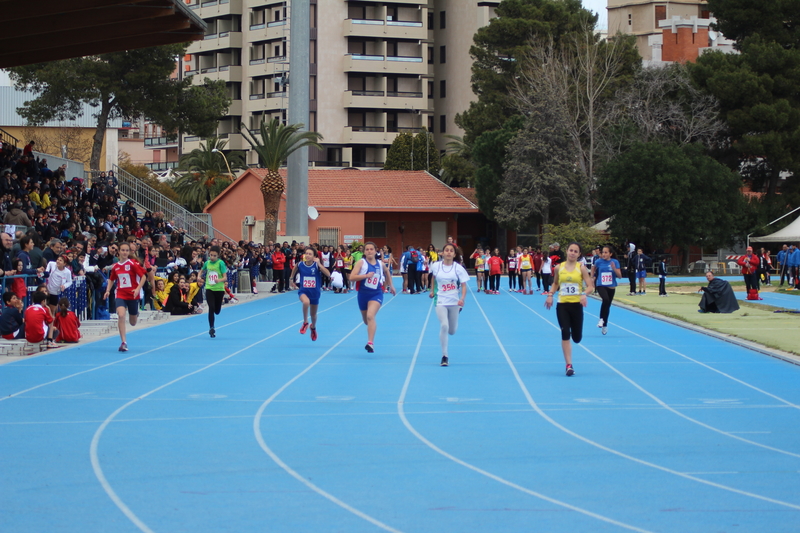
[(59, 278)]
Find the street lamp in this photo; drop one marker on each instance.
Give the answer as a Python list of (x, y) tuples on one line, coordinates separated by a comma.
[(214, 150)]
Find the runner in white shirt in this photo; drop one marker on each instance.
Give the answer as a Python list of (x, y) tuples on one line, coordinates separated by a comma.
[(449, 278)]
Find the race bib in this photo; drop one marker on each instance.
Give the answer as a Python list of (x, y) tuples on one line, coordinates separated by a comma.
[(213, 278), (570, 289), (124, 281), (373, 282), (309, 283), (447, 287), (526, 264), (606, 278), (339, 263)]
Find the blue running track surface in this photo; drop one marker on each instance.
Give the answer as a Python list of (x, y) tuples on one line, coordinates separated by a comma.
[(260, 429)]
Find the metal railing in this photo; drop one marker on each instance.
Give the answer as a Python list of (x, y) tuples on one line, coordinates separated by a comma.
[(8, 138), (196, 225)]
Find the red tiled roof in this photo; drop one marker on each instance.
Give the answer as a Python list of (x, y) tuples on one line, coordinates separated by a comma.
[(380, 190), (467, 193)]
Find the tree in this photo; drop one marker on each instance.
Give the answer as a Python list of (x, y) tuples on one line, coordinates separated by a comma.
[(125, 84), (61, 141), (672, 195), (489, 153), (205, 173), (458, 169), (144, 174), (540, 178), (757, 89), (276, 143), (413, 152), (579, 76), (499, 47), (575, 231)]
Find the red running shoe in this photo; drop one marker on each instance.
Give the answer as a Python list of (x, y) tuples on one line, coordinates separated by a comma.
[(304, 328), (313, 334)]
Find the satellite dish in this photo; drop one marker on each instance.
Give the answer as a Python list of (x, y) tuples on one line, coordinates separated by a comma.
[(313, 214), (712, 35)]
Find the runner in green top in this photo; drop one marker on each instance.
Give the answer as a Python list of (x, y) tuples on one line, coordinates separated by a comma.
[(214, 275)]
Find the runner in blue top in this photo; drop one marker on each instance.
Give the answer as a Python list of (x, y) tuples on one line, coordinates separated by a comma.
[(606, 271), (310, 270), (371, 274)]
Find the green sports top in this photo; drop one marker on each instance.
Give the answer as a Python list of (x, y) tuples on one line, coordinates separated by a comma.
[(214, 272)]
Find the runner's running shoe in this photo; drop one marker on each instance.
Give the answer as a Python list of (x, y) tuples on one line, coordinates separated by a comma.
[(313, 334), (212, 333), (304, 328), (444, 361), (600, 324), (604, 330), (570, 370), (123, 347), (370, 348)]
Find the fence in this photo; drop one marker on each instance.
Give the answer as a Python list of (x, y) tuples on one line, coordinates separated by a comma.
[(77, 293)]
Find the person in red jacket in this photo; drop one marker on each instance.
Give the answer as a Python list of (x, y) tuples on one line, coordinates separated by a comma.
[(66, 323), (495, 271), (278, 263), (749, 263), (37, 321)]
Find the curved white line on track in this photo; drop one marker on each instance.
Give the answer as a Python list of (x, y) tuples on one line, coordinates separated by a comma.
[(720, 372), (287, 468), (98, 470), (568, 431), (137, 355), (659, 401), (432, 446)]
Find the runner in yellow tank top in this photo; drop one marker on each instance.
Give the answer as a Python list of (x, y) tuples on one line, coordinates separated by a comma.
[(569, 279)]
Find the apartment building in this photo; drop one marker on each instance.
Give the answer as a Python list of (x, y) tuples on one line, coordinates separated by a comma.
[(377, 69), (642, 18)]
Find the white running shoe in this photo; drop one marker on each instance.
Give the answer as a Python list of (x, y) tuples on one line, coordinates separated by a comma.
[(600, 324), (604, 330)]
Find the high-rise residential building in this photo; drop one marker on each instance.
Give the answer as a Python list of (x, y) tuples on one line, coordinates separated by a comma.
[(642, 17), (377, 69)]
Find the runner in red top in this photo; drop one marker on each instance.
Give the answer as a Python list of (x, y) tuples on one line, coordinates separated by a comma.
[(130, 277)]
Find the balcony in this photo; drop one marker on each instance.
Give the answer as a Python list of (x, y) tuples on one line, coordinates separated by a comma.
[(267, 32), (263, 67), (379, 64), (368, 135), (236, 141), (379, 29), (235, 109), (218, 8), (389, 100), (225, 73), (160, 142), (164, 165), (217, 41), (420, 3)]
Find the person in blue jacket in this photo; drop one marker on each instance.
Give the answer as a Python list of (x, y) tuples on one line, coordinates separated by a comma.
[(782, 261)]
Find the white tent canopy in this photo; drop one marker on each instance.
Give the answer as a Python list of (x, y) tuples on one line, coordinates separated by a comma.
[(789, 234)]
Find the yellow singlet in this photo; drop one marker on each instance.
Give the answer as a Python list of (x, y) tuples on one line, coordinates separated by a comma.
[(570, 284)]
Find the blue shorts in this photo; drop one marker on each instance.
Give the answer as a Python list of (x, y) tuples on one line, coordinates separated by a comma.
[(313, 295), (131, 305), (367, 296), (641, 274)]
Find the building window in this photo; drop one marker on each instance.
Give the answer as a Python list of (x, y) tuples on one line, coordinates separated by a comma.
[(442, 123), (430, 20), (442, 54), (442, 20), (430, 55), (630, 20), (661, 14), (443, 89), (374, 230), (328, 236)]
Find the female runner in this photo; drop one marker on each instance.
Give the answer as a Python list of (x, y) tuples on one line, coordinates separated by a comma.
[(311, 270), (512, 270), (130, 278), (370, 274), (606, 271), (569, 277), (214, 275), (525, 267), (447, 275)]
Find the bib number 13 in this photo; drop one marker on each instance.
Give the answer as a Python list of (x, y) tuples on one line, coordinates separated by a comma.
[(570, 289)]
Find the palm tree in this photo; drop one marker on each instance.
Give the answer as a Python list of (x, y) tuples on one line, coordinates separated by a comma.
[(205, 173), (457, 165), (277, 142)]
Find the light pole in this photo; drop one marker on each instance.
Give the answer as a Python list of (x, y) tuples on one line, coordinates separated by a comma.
[(214, 150)]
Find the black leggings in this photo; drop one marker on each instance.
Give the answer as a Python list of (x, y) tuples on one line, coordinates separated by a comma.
[(214, 299), (538, 279), (547, 279), (607, 294), (512, 279), (494, 282), (570, 320)]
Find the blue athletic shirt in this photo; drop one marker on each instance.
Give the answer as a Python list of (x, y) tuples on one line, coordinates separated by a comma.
[(606, 276), (375, 283), (310, 277)]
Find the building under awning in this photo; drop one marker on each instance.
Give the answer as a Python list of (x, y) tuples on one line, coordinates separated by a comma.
[(48, 30)]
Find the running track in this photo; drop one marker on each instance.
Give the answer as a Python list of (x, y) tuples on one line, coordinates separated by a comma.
[(662, 429)]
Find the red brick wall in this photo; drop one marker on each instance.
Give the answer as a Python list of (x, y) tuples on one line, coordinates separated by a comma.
[(683, 46)]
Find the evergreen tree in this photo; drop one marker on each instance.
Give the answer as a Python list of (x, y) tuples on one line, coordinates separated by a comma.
[(399, 155)]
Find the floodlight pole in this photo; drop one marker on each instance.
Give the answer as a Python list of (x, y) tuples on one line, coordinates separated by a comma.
[(299, 95)]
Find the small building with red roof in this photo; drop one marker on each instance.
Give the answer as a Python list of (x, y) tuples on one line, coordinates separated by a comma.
[(397, 208)]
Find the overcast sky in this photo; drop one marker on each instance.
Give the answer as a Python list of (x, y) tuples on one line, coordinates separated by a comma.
[(598, 6)]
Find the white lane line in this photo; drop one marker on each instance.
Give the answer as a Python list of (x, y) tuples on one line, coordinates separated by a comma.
[(98, 470), (137, 355), (432, 446), (737, 380), (667, 406), (289, 470), (606, 448)]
